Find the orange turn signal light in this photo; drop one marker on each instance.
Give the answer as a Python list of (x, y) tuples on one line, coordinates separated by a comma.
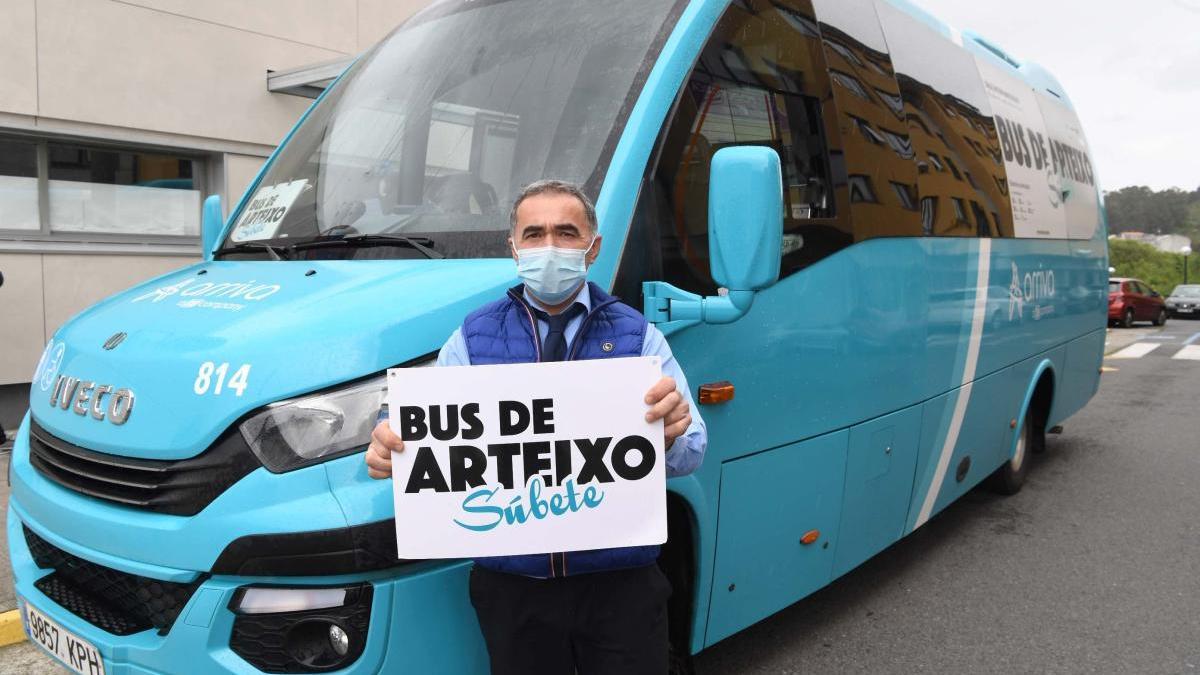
[(810, 537), (716, 392)]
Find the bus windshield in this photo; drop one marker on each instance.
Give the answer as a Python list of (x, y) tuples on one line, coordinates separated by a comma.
[(421, 147)]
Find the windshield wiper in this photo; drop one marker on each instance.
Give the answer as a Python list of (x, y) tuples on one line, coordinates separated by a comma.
[(421, 244), (245, 246)]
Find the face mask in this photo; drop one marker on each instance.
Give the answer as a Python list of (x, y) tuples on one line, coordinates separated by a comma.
[(552, 274)]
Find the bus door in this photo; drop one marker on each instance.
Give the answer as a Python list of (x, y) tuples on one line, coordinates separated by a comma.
[(804, 361)]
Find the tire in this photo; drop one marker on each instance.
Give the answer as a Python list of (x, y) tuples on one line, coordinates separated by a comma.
[(1127, 318), (1161, 318), (1008, 479)]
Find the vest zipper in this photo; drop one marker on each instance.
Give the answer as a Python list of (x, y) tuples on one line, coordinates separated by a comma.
[(537, 343)]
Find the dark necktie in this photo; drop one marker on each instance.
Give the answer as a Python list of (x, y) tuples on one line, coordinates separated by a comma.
[(554, 347)]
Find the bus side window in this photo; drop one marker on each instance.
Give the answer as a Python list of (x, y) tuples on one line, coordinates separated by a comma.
[(761, 80), (877, 149), (950, 125)]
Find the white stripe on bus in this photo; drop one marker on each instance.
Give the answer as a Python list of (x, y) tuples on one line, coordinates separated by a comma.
[(1136, 350), (968, 376), (1190, 353)]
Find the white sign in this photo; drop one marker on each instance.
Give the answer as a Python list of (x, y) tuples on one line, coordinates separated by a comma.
[(262, 216), (1032, 186), (529, 458)]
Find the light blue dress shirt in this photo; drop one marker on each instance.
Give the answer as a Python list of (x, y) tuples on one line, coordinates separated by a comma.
[(686, 453)]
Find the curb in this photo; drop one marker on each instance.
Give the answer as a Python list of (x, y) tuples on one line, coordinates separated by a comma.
[(11, 631)]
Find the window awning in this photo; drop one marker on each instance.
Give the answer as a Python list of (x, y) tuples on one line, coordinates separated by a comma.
[(308, 80)]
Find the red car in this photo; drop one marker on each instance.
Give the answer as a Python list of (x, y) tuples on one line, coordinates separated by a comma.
[(1132, 300)]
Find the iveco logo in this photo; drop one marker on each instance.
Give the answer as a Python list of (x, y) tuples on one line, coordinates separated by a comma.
[(115, 340), (88, 398)]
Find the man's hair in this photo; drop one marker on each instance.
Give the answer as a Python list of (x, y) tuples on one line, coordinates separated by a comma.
[(561, 187)]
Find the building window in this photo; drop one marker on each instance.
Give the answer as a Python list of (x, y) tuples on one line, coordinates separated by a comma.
[(893, 101), (953, 168), (1001, 185), (850, 82), (906, 194), (861, 190), (916, 119), (844, 52), (868, 132), (61, 190), (960, 210), (18, 185), (928, 214), (901, 144), (937, 162)]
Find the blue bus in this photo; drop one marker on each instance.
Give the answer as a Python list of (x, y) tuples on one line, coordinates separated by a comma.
[(875, 244)]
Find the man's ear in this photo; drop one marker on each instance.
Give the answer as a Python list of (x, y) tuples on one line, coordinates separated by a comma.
[(512, 248), (594, 252)]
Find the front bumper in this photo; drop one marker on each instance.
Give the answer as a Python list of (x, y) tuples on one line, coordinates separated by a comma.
[(420, 619)]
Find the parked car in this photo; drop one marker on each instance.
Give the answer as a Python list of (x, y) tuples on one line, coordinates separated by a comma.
[(1184, 301), (1132, 300)]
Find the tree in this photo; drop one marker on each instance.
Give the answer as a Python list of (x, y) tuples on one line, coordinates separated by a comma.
[(1162, 270), (1141, 209)]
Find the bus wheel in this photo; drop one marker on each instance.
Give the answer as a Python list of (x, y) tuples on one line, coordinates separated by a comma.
[(1008, 479)]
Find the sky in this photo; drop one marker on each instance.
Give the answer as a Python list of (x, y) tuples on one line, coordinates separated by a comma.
[(1132, 69)]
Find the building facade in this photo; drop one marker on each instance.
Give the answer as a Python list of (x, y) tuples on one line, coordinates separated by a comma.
[(117, 118)]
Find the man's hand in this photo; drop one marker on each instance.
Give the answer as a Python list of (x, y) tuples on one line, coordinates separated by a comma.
[(379, 453), (668, 405)]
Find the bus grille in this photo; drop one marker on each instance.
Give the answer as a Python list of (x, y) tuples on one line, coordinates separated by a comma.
[(111, 600), (178, 487)]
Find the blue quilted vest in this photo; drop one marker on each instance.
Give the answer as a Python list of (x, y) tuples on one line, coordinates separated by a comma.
[(505, 331)]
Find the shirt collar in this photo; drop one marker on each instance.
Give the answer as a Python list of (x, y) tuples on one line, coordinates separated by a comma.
[(584, 298)]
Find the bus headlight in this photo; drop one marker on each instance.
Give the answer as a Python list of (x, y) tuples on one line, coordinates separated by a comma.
[(306, 430), (301, 431)]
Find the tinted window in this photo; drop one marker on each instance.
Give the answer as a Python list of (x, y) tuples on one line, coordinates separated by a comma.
[(949, 119), (1114, 287), (877, 148), (761, 80)]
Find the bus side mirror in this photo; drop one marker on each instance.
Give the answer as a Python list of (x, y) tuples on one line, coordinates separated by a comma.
[(211, 224), (745, 218), (745, 242)]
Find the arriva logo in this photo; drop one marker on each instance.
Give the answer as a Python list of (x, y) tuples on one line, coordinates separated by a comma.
[(249, 290), (1033, 288)]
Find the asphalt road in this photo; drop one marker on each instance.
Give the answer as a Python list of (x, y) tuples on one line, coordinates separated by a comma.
[(1093, 567)]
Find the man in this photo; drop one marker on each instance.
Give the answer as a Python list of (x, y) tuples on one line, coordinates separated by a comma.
[(589, 612)]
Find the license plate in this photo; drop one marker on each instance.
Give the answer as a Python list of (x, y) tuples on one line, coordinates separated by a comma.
[(75, 653), (1184, 311)]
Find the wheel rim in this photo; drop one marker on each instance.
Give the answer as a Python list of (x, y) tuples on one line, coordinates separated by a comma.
[(1019, 456)]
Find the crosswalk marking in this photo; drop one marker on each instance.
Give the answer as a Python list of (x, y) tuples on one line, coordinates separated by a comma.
[(1189, 352), (1136, 350)]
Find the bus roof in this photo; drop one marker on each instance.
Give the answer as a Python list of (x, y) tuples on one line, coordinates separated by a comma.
[(1030, 72)]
